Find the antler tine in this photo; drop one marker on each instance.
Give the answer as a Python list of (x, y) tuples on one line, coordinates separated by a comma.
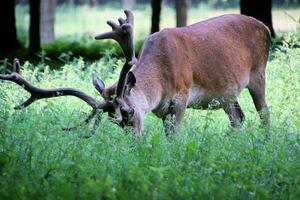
[(121, 21), (113, 25), (110, 34), (92, 114), (129, 16), (26, 103), (123, 34), (16, 66)]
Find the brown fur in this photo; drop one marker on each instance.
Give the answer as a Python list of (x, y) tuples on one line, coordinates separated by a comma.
[(204, 65)]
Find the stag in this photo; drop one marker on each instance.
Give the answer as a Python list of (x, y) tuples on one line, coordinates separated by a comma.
[(202, 66)]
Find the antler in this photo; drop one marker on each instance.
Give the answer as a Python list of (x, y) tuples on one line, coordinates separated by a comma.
[(39, 93), (123, 34)]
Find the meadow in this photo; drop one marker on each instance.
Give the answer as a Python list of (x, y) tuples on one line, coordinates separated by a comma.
[(205, 160)]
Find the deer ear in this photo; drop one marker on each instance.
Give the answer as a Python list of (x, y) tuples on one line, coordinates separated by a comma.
[(98, 83), (131, 80)]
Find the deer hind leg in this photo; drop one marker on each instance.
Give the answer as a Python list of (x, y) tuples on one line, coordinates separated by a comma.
[(173, 119), (235, 114), (256, 88)]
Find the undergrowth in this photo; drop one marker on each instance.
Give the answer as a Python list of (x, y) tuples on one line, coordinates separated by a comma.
[(206, 160)]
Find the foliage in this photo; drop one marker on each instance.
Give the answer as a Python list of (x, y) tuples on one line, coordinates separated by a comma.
[(206, 160), (287, 41)]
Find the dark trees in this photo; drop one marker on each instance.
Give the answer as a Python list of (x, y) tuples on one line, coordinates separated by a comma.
[(34, 26), (156, 9), (259, 9), (8, 33), (181, 12), (47, 20)]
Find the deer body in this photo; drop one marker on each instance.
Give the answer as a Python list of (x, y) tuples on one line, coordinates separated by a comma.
[(204, 65)]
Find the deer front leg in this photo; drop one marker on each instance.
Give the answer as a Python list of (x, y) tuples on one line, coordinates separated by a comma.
[(235, 114), (172, 121), (138, 124)]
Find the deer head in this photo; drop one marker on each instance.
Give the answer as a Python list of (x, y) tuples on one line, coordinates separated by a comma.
[(123, 34)]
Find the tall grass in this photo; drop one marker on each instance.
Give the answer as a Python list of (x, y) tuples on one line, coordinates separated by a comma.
[(206, 160)]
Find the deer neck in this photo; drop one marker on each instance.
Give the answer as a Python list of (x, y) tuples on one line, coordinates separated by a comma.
[(145, 95)]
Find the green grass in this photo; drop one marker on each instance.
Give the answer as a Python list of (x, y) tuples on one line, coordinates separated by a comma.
[(206, 160)]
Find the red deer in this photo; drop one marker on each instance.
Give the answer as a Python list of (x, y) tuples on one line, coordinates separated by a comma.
[(203, 66)]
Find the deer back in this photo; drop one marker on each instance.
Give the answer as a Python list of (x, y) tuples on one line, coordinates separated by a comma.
[(216, 55)]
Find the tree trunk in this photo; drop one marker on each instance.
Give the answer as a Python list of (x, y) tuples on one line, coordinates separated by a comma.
[(8, 32), (92, 3), (70, 2), (34, 27), (156, 8), (47, 20), (128, 4), (259, 9), (181, 12)]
